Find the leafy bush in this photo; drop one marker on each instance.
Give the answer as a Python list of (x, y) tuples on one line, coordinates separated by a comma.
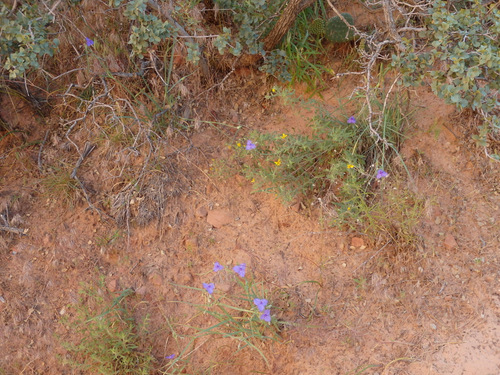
[(253, 19), (147, 29), (463, 58), (25, 39)]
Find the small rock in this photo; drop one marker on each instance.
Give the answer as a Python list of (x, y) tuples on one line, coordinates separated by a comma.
[(295, 207), (141, 291), (62, 311), (433, 326), (112, 285), (219, 218), (155, 279), (449, 242), (357, 242), (201, 212)]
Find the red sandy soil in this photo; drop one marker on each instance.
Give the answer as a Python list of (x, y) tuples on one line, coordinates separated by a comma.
[(371, 310)]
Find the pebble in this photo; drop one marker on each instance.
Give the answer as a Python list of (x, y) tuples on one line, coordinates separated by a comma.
[(357, 242), (201, 212), (112, 285), (449, 242), (219, 217)]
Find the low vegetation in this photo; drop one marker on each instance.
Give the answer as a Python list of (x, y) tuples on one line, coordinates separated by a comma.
[(134, 73)]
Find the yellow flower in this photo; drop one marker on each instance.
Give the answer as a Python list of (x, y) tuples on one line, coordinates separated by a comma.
[(253, 180), (238, 144), (273, 89), (348, 208), (283, 136), (349, 166), (278, 162)]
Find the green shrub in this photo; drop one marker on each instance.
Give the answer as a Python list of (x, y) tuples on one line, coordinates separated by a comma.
[(147, 29), (462, 59), (253, 19), (24, 39)]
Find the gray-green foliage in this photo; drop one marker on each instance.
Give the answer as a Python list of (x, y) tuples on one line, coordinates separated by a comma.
[(277, 64), (24, 39), (337, 31), (253, 19), (463, 58), (147, 29)]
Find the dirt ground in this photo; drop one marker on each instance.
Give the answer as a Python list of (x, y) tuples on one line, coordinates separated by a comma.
[(372, 309)]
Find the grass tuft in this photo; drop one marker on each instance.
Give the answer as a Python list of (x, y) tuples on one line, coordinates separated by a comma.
[(112, 341)]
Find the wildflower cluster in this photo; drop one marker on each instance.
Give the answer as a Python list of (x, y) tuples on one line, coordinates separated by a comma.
[(340, 164), (240, 270), (303, 165)]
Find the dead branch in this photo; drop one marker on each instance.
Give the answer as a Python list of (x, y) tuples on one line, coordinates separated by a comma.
[(86, 152), (6, 228)]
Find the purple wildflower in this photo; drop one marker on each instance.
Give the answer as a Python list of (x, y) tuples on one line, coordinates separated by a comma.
[(240, 269), (250, 145), (381, 174), (351, 120), (260, 303), (218, 267), (89, 42), (266, 316), (171, 356), (209, 287)]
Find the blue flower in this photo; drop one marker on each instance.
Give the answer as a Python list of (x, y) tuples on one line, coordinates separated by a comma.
[(260, 303), (171, 356), (218, 267), (250, 145), (240, 269), (209, 287), (351, 120), (266, 316), (89, 42), (381, 174)]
